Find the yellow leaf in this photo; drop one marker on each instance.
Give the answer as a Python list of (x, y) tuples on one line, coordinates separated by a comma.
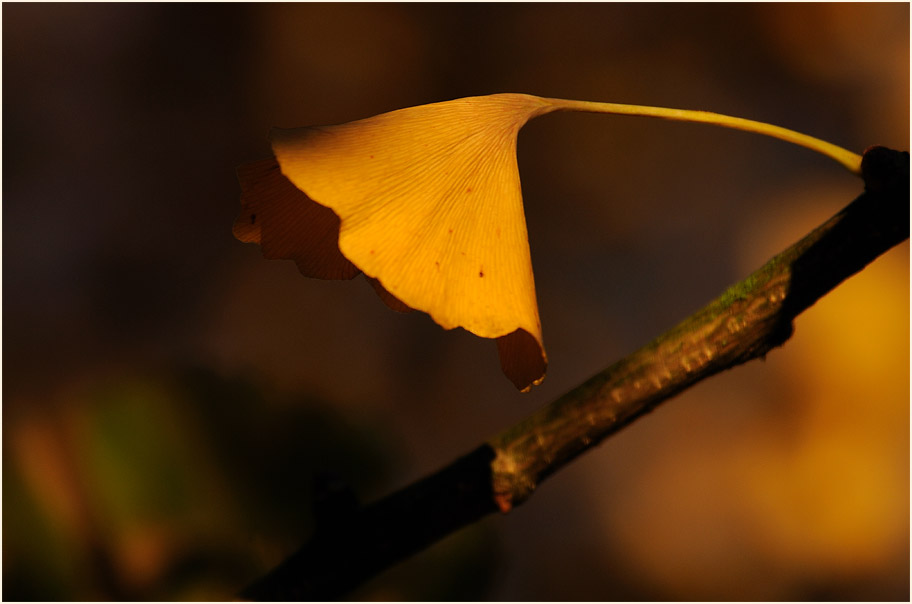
[(426, 201), (430, 207)]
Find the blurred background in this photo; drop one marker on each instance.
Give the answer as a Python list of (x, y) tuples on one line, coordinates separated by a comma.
[(169, 396)]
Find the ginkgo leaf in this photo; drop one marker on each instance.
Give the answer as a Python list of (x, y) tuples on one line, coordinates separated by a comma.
[(430, 207), (427, 202)]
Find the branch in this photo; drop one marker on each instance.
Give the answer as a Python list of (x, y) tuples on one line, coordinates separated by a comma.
[(744, 323)]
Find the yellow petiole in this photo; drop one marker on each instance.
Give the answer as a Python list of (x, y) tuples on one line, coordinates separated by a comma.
[(852, 161)]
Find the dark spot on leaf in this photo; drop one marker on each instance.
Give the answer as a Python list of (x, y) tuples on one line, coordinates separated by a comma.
[(253, 219)]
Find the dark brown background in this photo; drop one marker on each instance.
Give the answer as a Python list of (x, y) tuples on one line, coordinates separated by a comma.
[(168, 395)]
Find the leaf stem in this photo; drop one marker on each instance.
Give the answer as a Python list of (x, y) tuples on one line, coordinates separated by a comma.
[(852, 161)]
